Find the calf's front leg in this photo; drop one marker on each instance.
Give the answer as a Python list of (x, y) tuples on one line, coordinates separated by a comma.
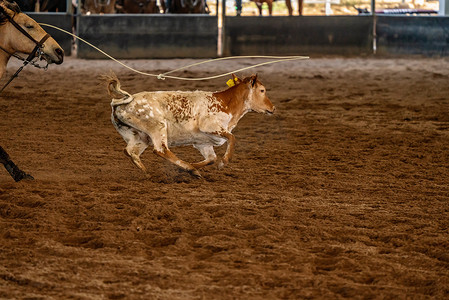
[(170, 156), (208, 153), (158, 135), (229, 150)]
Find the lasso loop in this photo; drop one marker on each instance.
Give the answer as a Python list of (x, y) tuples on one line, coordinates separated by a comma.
[(165, 75)]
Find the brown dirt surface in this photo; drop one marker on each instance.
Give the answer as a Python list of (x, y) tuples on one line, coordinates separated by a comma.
[(343, 193)]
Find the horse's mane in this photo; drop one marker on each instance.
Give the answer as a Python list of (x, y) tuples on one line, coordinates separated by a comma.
[(10, 5)]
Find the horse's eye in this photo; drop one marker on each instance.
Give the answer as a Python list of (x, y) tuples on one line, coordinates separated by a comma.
[(29, 26)]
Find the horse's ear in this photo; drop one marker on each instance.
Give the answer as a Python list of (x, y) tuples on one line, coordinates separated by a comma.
[(2, 9), (6, 10), (3, 14), (9, 8)]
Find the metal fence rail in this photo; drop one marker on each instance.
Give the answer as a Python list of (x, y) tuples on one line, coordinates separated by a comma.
[(149, 36), (196, 36)]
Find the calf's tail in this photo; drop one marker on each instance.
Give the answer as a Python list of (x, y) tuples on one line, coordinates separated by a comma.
[(119, 96)]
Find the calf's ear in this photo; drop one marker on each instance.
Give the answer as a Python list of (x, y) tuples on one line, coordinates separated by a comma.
[(253, 80), (236, 79)]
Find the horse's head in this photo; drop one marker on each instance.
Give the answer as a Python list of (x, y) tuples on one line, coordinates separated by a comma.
[(20, 33)]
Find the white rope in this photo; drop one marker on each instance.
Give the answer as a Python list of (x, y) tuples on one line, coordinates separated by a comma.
[(162, 76)]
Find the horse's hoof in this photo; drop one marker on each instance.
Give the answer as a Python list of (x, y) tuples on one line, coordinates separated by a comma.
[(22, 176)]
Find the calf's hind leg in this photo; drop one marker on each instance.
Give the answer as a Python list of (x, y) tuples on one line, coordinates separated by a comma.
[(134, 152), (158, 135), (137, 142), (208, 153)]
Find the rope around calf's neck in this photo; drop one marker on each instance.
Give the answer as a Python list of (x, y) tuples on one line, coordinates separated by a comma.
[(163, 76)]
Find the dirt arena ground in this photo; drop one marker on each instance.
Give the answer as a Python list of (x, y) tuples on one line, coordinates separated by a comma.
[(343, 193)]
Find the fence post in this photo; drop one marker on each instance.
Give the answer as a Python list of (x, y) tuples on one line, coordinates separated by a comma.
[(444, 8), (373, 11), (221, 30), (69, 9)]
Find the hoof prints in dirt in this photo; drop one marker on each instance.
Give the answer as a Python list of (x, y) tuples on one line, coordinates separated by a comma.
[(342, 193)]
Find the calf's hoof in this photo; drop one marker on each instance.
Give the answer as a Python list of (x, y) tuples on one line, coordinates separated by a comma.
[(222, 164), (196, 173)]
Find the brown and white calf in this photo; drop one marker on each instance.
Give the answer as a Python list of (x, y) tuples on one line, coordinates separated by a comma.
[(174, 118)]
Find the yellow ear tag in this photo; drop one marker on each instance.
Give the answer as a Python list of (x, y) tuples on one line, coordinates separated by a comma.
[(230, 82)]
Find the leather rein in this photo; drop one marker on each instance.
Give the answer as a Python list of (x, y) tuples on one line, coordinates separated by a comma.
[(37, 51)]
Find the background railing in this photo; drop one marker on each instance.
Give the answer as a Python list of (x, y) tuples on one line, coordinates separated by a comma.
[(221, 33)]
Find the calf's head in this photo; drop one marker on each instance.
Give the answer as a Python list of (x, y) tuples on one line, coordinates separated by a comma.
[(258, 100)]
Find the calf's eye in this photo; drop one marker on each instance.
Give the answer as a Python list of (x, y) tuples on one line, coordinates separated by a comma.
[(262, 91)]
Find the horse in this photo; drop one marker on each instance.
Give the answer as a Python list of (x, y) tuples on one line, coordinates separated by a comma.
[(139, 7), (53, 5), (27, 5), (290, 9), (187, 7), (98, 7), (20, 33), (259, 4), (42, 5)]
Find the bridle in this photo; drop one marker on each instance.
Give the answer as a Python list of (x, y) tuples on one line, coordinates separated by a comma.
[(37, 51)]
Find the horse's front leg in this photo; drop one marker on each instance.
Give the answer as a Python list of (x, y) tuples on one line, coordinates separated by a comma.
[(11, 167), (259, 6), (162, 5), (289, 7), (300, 6)]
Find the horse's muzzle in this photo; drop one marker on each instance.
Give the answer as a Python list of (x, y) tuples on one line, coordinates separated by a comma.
[(60, 54), (55, 56)]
